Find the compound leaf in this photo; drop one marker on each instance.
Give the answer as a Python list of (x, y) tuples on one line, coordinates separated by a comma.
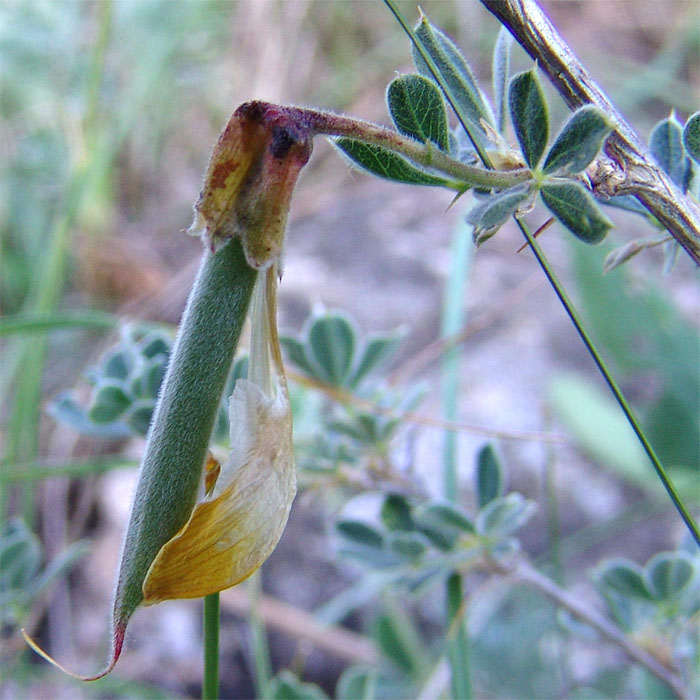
[(453, 69)]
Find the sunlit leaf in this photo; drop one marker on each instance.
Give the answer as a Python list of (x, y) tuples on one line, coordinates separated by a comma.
[(668, 574), (623, 577), (504, 515), (490, 214), (331, 346)]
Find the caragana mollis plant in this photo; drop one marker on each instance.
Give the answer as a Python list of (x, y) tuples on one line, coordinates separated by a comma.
[(198, 526)]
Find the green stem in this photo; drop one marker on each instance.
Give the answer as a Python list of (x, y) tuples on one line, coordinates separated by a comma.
[(210, 686), (30, 323), (425, 154), (261, 651), (458, 648), (612, 384), (453, 318)]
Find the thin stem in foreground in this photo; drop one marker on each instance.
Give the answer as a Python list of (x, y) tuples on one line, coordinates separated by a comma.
[(612, 384), (210, 684)]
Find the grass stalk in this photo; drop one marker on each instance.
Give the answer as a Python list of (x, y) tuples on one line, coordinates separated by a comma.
[(453, 318), (610, 381)]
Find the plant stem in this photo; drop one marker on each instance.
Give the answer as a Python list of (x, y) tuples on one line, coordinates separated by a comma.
[(30, 323), (425, 154), (210, 685), (612, 384), (458, 648), (261, 651), (632, 169), (453, 318)]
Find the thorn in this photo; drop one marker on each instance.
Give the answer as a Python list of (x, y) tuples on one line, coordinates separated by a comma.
[(542, 228)]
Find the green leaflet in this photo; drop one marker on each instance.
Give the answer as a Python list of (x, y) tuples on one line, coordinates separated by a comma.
[(488, 216), (528, 110), (691, 137), (418, 110), (454, 70), (489, 476), (666, 145), (499, 75), (574, 206), (384, 163), (578, 142)]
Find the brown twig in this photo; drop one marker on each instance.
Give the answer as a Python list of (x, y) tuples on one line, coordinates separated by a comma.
[(299, 624), (630, 168)]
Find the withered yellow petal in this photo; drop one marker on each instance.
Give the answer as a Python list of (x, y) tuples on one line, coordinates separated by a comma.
[(229, 537)]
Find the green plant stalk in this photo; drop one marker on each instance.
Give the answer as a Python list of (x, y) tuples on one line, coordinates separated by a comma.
[(36, 471), (23, 424), (29, 323), (210, 685), (261, 650), (610, 381), (453, 318), (457, 648)]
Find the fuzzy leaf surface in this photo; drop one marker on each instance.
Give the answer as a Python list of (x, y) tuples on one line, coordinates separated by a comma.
[(500, 70), (418, 110), (691, 137), (528, 110), (387, 164), (574, 206), (493, 212), (453, 69), (578, 142), (666, 145)]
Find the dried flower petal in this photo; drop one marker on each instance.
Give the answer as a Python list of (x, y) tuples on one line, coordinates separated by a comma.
[(250, 178)]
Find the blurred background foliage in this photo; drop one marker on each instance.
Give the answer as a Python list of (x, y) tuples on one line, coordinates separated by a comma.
[(108, 111)]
